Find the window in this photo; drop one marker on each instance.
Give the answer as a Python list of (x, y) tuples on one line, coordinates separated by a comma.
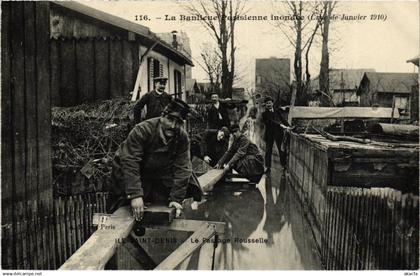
[(259, 80), (155, 69), (177, 84)]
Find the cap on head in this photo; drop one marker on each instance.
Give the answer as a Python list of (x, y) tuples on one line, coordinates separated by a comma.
[(268, 99), (177, 108), (234, 128), (160, 79)]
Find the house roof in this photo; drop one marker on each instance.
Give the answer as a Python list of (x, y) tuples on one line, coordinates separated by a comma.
[(391, 82), (343, 79), (414, 60), (142, 31)]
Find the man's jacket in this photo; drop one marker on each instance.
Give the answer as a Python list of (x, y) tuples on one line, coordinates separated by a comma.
[(218, 118), (143, 156), (240, 148), (155, 105), (271, 121)]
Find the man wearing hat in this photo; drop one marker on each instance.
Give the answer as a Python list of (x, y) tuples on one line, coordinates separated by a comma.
[(155, 101), (153, 164), (273, 119), (243, 156), (217, 115), (211, 145)]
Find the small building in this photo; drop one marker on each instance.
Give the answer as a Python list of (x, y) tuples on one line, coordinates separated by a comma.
[(96, 56), (272, 77), (343, 85), (387, 90)]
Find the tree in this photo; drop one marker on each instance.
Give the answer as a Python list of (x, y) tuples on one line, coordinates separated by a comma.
[(219, 17), (324, 80), (211, 64), (300, 31)]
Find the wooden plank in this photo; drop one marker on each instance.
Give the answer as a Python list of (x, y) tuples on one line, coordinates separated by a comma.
[(102, 70), (19, 238), (63, 229), (86, 71), (55, 76), (30, 100), (39, 245), (99, 248), (18, 99), (127, 67), (187, 248), (69, 85), (8, 204), (116, 68), (57, 229), (209, 179)]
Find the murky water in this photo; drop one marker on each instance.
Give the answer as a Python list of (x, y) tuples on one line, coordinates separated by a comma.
[(265, 228)]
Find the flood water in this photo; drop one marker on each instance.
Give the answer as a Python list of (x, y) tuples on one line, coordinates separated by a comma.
[(265, 228)]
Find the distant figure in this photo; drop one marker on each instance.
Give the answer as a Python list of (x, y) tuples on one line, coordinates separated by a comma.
[(273, 119), (155, 101), (217, 115), (211, 145), (243, 156), (249, 126)]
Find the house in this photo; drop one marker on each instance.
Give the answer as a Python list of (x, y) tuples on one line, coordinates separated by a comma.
[(387, 90), (343, 84), (96, 56), (272, 77)]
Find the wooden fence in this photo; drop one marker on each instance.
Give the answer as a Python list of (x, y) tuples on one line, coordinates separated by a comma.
[(41, 239), (370, 229)]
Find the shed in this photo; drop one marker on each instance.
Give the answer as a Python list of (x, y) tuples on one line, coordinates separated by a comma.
[(387, 90), (96, 56)]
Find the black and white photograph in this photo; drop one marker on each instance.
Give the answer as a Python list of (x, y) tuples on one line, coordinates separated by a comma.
[(225, 135)]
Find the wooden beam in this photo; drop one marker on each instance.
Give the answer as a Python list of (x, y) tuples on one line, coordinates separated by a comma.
[(194, 242), (101, 246), (209, 179)]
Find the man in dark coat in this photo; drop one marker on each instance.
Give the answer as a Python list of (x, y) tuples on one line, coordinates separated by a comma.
[(274, 121), (155, 101), (243, 156), (217, 116), (154, 164), (211, 145)]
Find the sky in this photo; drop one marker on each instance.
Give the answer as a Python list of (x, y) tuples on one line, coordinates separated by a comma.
[(383, 45)]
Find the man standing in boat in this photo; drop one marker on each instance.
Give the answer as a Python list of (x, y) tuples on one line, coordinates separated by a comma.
[(155, 101), (243, 156), (153, 164)]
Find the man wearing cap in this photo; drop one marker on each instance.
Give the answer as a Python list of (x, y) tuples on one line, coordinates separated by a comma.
[(217, 116), (153, 164), (211, 145), (274, 121), (243, 156), (155, 101)]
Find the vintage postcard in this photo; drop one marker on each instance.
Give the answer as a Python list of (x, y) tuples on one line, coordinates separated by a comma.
[(209, 135)]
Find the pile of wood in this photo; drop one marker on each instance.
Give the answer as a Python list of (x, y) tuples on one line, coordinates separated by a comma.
[(84, 140)]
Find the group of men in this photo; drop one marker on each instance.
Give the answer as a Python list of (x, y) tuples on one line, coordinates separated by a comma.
[(153, 164)]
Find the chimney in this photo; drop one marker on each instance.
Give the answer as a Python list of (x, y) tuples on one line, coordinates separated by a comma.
[(174, 41)]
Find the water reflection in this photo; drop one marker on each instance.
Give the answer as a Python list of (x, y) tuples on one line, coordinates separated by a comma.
[(265, 227)]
